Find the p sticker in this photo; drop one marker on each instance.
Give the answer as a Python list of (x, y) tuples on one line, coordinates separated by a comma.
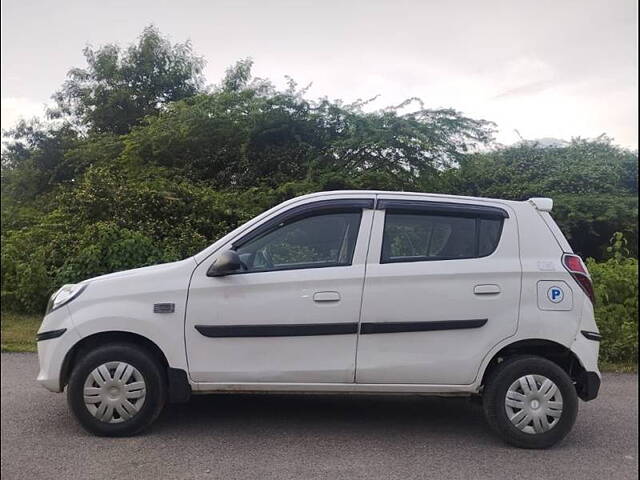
[(555, 294)]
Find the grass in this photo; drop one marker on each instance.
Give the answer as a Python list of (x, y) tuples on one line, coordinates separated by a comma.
[(618, 367), (19, 335), (18, 332)]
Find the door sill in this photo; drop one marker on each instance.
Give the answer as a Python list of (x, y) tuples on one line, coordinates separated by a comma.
[(245, 387)]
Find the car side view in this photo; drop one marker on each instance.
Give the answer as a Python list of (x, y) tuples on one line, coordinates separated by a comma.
[(345, 292)]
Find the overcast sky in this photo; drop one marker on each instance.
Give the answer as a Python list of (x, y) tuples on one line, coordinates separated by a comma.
[(561, 68)]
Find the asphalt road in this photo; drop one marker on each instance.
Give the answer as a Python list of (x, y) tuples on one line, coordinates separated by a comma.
[(308, 437)]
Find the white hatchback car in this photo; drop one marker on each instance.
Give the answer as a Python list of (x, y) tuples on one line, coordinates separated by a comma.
[(346, 291)]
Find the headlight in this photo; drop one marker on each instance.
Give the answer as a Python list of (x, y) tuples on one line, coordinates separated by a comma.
[(64, 295)]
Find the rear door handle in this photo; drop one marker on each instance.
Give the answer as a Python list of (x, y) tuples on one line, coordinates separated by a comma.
[(487, 289), (322, 297)]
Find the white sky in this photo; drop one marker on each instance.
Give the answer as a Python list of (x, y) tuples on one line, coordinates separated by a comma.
[(547, 68)]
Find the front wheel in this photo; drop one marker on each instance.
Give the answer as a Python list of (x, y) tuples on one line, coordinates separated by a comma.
[(116, 390), (530, 401)]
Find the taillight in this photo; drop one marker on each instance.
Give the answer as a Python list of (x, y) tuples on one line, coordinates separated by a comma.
[(576, 267)]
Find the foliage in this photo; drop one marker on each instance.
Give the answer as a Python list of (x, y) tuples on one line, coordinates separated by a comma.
[(33, 161), (616, 286), (258, 136), (118, 89), (589, 221), (584, 167)]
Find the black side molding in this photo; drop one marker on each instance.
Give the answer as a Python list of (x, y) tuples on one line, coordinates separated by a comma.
[(50, 334), (398, 327), (304, 329), (179, 387), (280, 330), (442, 208), (591, 335)]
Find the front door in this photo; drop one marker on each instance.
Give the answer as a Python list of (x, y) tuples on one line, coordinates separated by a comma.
[(291, 315), (442, 288)]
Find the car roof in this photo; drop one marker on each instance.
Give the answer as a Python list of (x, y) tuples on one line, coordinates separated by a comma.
[(350, 193)]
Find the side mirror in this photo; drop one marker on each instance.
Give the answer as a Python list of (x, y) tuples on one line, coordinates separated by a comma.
[(228, 262)]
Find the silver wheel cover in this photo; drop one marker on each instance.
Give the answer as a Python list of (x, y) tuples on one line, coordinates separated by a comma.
[(533, 404), (114, 392)]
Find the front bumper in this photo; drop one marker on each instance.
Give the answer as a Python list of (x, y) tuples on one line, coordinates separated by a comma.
[(53, 347)]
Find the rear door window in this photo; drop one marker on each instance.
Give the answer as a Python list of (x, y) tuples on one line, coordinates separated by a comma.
[(411, 237)]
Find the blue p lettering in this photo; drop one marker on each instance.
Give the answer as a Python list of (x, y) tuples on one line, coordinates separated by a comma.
[(555, 294)]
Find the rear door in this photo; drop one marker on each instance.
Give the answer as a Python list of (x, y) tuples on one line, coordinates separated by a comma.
[(442, 287), (292, 314)]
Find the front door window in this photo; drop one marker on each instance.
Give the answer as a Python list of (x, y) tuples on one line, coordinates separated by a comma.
[(323, 240)]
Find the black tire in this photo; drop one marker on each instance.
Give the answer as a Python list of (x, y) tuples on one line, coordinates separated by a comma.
[(494, 399), (147, 366)]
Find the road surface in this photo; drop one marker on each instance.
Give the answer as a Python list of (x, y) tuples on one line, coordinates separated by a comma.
[(308, 437)]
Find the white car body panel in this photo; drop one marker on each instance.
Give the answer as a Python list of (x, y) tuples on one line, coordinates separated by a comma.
[(276, 298), (441, 290), (122, 302), (125, 304), (434, 362)]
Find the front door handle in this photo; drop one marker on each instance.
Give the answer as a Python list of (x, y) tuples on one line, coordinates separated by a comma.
[(326, 297), (487, 289)]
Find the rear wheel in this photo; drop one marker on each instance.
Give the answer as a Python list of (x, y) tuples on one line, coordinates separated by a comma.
[(116, 390), (530, 401)]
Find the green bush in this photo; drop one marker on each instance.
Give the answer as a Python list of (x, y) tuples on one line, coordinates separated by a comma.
[(616, 287), (589, 221)]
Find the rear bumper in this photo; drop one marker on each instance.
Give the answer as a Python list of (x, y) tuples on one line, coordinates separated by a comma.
[(586, 350), (588, 385)]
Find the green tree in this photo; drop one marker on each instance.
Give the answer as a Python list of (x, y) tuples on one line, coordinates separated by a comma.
[(118, 88), (527, 170), (33, 159), (247, 133)]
